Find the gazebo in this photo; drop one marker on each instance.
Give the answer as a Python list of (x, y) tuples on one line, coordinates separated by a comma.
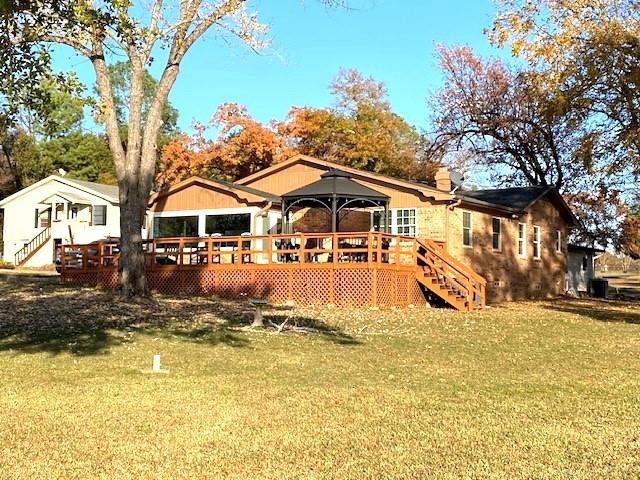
[(336, 192)]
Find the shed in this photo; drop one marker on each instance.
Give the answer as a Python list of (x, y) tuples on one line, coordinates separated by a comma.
[(580, 269)]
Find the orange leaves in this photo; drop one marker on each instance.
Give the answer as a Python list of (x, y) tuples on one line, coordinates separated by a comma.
[(184, 157), (360, 131), (242, 146)]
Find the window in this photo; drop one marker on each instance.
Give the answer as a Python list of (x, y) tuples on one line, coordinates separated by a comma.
[(175, 227), (46, 220), (522, 240), (497, 233), (558, 241), (377, 220), (234, 224), (585, 263), (99, 215), (74, 212), (402, 221), (536, 242), (37, 219), (406, 222), (467, 234), (58, 211)]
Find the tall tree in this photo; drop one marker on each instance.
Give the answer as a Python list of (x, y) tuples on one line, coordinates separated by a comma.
[(588, 52), (510, 126), (119, 76), (54, 109), (93, 29), (525, 135), (360, 130), (81, 155), (243, 146), (630, 239)]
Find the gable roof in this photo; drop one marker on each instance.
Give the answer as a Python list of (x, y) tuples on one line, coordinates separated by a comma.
[(422, 188), (106, 192), (248, 194), (517, 200)]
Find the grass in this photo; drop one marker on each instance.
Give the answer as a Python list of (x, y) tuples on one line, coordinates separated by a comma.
[(626, 284), (528, 390)]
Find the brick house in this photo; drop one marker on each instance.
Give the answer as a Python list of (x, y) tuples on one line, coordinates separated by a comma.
[(312, 231), (515, 237)]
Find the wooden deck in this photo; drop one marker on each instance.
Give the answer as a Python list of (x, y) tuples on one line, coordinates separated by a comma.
[(346, 269)]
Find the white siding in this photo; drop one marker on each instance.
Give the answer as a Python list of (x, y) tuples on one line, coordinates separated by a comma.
[(19, 222)]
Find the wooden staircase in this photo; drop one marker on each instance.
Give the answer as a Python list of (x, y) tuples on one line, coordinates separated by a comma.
[(447, 278), (29, 250)]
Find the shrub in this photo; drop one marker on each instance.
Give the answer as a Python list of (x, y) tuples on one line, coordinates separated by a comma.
[(6, 265)]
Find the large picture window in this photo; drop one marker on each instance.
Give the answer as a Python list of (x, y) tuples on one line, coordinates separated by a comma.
[(234, 224), (175, 227)]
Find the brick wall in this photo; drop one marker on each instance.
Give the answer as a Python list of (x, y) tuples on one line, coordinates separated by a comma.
[(319, 220), (431, 222), (510, 276)]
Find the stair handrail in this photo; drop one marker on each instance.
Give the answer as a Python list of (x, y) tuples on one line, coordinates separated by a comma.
[(35, 243), (474, 286), (452, 261)]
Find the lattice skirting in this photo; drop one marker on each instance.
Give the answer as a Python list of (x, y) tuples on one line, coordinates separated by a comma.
[(349, 287)]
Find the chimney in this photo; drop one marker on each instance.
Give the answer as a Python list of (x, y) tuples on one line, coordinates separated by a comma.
[(443, 179)]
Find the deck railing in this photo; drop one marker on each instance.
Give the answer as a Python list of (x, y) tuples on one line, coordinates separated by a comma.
[(255, 251)]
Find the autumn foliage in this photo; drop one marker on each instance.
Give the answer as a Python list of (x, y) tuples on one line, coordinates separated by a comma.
[(242, 146), (360, 131)]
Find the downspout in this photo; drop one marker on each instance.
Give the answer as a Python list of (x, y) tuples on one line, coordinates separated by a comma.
[(448, 208)]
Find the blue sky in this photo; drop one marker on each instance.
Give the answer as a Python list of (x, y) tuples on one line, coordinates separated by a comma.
[(391, 40)]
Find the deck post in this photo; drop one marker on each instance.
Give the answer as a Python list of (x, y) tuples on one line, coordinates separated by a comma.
[(301, 249)]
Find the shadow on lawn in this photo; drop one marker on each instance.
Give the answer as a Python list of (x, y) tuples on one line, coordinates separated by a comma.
[(600, 310), (89, 322)]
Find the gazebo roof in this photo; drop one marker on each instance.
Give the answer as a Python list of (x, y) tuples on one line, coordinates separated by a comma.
[(338, 184)]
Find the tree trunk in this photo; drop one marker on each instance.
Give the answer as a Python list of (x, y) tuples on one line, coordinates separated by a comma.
[(133, 276)]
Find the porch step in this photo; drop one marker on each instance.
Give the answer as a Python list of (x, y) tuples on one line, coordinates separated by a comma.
[(29, 250), (455, 283)]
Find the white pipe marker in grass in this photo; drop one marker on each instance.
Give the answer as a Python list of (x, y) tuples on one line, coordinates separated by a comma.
[(156, 363)]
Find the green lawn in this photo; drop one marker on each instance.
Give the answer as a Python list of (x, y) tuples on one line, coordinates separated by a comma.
[(530, 390)]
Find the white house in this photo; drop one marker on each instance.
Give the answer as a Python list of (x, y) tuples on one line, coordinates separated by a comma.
[(57, 210)]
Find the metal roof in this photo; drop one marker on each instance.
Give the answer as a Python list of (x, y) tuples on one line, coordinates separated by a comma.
[(335, 183), (110, 191)]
